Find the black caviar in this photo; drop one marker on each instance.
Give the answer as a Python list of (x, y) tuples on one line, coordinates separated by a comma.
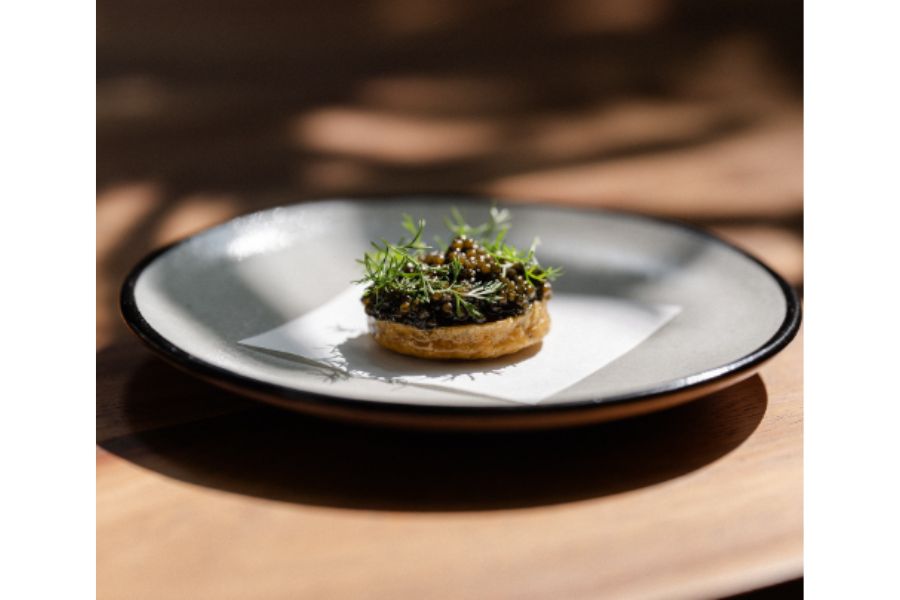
[(465, 284)]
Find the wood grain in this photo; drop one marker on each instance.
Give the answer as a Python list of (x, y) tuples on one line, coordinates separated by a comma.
[(205, 495)]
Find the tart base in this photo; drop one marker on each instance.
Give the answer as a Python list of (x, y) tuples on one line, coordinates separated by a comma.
[(465, 342)]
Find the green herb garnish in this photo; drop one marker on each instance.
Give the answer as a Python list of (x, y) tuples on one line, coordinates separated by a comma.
[(477, 277)]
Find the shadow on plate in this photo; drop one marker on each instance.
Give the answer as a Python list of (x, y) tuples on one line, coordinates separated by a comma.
[(159, 418), (361, 356)]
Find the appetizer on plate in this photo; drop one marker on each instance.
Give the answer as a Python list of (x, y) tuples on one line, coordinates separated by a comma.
[(476, 297)]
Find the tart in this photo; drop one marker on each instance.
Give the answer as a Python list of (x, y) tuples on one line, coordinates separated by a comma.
[(478, 297)]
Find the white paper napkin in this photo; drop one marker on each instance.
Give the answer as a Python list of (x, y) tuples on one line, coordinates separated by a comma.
[(587, 333)]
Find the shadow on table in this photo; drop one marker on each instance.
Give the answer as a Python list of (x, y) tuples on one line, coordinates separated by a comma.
[(161, 419)]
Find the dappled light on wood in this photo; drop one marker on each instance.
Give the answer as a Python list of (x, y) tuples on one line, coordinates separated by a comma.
[(757, 174), (685, 109), (391, 138)]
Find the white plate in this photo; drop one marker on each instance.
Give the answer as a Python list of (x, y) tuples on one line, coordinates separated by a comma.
[(193, 301)]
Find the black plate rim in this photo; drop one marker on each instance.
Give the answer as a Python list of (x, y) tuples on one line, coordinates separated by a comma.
[(278, 394)]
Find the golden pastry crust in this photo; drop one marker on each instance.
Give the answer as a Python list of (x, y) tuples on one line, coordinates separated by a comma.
[(468, 342)]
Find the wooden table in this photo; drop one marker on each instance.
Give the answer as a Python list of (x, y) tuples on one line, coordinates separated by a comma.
[(201, 494)]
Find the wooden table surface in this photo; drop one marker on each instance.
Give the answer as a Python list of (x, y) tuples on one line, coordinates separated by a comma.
[(689, 110), (203, 494)]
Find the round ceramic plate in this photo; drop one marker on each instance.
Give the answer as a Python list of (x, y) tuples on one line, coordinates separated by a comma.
[(194, 301)]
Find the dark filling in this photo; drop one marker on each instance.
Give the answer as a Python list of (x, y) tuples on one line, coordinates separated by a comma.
[(513, 298)]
